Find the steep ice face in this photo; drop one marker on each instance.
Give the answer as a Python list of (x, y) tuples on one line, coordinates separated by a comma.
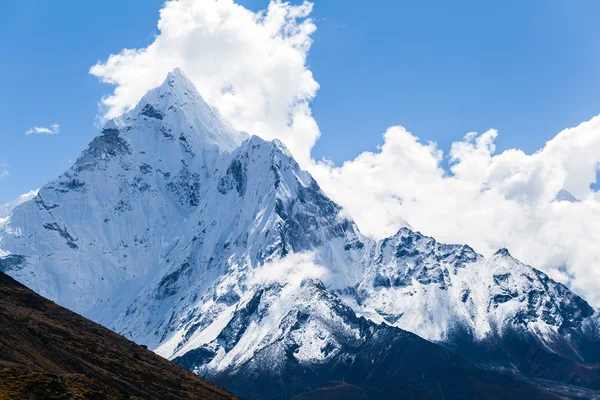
[(163, 215), (92, 238), (171, 125), (179, 110), (258, 206)]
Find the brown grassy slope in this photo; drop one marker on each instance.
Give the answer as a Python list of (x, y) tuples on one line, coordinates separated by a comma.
[(49, 352)]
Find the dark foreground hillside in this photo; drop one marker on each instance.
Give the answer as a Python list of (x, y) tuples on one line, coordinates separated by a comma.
[(49, 352)]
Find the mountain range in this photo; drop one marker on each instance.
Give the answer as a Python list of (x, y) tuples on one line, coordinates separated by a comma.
[(216, 250)]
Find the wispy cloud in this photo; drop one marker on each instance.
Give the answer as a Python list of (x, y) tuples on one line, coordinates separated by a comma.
[(293, 269), (41, 130), (3, 169)]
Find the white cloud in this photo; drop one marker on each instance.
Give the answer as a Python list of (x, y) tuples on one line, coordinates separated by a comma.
[(38, 130), (3, 169), (252, 66), (487, 200), (293, 269)]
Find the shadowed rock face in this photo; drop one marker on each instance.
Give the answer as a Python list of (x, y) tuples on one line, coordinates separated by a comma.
[(48, 352), (108, 143), (11, 262)]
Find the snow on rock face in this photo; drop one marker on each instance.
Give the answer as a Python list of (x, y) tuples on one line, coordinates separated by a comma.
[(303, 322), (162, 216), (434, 290), (243, 219), (159, 227)]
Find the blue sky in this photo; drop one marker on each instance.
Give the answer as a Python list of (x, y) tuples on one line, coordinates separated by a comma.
[(528, 69)]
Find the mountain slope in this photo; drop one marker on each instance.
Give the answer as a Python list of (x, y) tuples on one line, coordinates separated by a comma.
[(7, 208), (164, 227), (175, 219), (47, 351), (498, 312), (134, 186), (302, 336)]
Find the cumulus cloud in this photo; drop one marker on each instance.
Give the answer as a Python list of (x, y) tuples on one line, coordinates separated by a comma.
[(293, 269), (252, 67), (487, 200), (40, 130)]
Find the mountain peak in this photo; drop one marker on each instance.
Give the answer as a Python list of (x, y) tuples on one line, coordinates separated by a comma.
[(503, 252), (564, 195), (178, 83), (176, 107), (176, 90), (177, 73)]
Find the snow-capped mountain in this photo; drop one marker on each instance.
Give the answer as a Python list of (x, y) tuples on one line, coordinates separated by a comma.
[(214, 248), (6, 209), (435, 289), (498, 311), (178, 209), (564, 195)]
